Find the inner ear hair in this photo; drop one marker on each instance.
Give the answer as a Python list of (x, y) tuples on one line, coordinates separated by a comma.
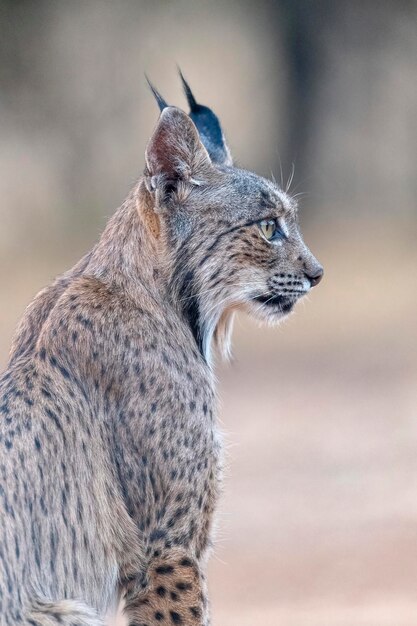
[(175, 153)]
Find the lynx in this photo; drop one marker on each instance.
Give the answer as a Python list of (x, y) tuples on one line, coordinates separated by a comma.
[(111, 458)]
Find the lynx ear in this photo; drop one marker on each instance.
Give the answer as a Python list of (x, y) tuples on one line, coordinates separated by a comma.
[(175, 153), (209, 128)]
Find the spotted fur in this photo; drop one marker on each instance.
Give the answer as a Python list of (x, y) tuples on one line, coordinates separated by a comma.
[(110, 456)]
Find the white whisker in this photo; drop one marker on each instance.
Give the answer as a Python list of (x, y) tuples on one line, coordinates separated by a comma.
[(290, 179)]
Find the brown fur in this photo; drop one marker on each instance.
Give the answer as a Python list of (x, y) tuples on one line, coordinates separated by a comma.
[(110, 462)]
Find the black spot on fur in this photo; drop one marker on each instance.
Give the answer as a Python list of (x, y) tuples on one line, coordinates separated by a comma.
[(164, 569), (195, 611), (53, 416), (45, 393), (65, 373), (156, 535), (87, 323)]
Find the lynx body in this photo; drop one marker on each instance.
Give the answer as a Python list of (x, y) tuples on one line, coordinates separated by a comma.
[(110, 461)]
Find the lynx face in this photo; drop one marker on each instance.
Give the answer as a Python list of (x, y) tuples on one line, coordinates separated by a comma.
[(231, 237)]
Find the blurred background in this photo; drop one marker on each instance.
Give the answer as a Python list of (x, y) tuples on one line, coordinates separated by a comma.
[(318, 522)]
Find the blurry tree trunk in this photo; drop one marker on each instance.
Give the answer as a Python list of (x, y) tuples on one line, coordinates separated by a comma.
[(303, 58), (352, 102)]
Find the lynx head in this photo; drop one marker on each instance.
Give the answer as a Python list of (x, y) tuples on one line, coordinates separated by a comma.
[(229, 239)]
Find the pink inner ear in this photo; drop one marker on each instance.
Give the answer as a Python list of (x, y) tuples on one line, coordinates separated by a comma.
[(175, 146), (161, 155)]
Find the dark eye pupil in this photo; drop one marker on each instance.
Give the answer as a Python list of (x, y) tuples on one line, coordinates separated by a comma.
[(268, 228)]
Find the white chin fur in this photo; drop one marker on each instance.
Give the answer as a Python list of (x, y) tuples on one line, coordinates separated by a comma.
[(263, 313)]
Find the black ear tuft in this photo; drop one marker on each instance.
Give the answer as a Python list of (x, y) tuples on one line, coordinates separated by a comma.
[(162, 104), (192, 103), (208, 127)]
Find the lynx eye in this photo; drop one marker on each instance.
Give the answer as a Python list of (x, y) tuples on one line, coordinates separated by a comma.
[(271, 230), (268, 228)]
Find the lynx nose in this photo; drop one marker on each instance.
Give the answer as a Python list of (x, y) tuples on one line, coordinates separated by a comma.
[(315, 276)]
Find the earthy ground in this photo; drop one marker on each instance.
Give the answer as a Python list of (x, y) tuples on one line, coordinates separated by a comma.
[(318, 522)]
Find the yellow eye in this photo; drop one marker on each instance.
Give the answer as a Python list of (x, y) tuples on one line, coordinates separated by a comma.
[(268, 228)]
